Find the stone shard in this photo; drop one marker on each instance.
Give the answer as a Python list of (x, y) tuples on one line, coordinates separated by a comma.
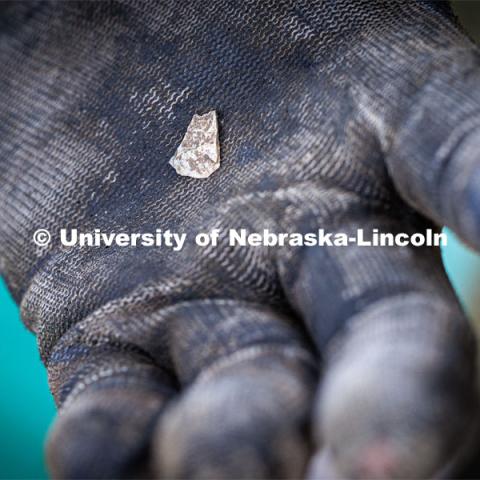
[(198, 155)]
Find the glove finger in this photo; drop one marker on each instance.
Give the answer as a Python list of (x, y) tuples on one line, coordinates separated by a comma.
[(433, 159), (249, 382), (399, 352), (110, 393), (321, 467), (416, 89)]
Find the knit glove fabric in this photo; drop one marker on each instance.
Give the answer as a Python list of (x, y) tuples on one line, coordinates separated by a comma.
[(233, 361)]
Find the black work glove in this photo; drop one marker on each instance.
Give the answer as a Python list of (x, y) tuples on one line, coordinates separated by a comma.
[(205, 362)]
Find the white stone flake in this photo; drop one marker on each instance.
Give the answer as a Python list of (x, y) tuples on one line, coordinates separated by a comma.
[(198, 156)]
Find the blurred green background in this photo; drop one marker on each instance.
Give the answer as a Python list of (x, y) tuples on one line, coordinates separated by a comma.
[(26, 406)]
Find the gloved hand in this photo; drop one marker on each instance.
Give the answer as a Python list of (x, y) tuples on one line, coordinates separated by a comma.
[(206, 362)]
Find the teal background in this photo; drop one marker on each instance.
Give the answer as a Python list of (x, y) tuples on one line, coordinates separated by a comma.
[(26, 406)]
